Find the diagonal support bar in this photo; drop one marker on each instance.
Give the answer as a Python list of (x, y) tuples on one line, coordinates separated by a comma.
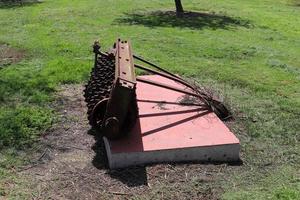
[(147, 81)]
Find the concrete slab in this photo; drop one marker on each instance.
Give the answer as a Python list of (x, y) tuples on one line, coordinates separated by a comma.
[(168, 132)]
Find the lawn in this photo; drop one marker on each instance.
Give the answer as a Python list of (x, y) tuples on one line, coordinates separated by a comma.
[(246, 50)]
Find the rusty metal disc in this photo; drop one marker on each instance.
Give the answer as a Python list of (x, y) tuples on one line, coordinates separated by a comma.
[(98, 113)]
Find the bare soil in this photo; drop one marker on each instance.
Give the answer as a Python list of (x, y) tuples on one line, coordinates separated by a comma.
[(9, 55), (71, 164)]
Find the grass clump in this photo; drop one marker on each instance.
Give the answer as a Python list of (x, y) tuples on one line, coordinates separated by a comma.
[(20, 126)]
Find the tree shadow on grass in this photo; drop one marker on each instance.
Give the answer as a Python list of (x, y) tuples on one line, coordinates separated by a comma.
[(6, 4), (192, 20), (295, 3)]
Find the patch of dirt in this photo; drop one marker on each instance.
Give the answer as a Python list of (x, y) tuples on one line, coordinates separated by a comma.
[(72, 164), (9, 55)]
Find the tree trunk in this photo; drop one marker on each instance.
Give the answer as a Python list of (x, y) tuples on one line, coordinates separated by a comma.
[(179, 8)]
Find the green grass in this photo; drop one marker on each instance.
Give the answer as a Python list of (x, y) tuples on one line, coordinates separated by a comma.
[(247, 50), (279, 184)]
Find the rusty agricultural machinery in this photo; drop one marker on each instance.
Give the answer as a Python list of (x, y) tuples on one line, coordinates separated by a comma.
[(110, 93)]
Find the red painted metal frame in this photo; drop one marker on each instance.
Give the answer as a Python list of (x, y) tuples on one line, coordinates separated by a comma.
[(123, 91)]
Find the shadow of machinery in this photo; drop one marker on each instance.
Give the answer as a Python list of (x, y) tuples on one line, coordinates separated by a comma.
[(132, 176), (192, 20), (17, 3)]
